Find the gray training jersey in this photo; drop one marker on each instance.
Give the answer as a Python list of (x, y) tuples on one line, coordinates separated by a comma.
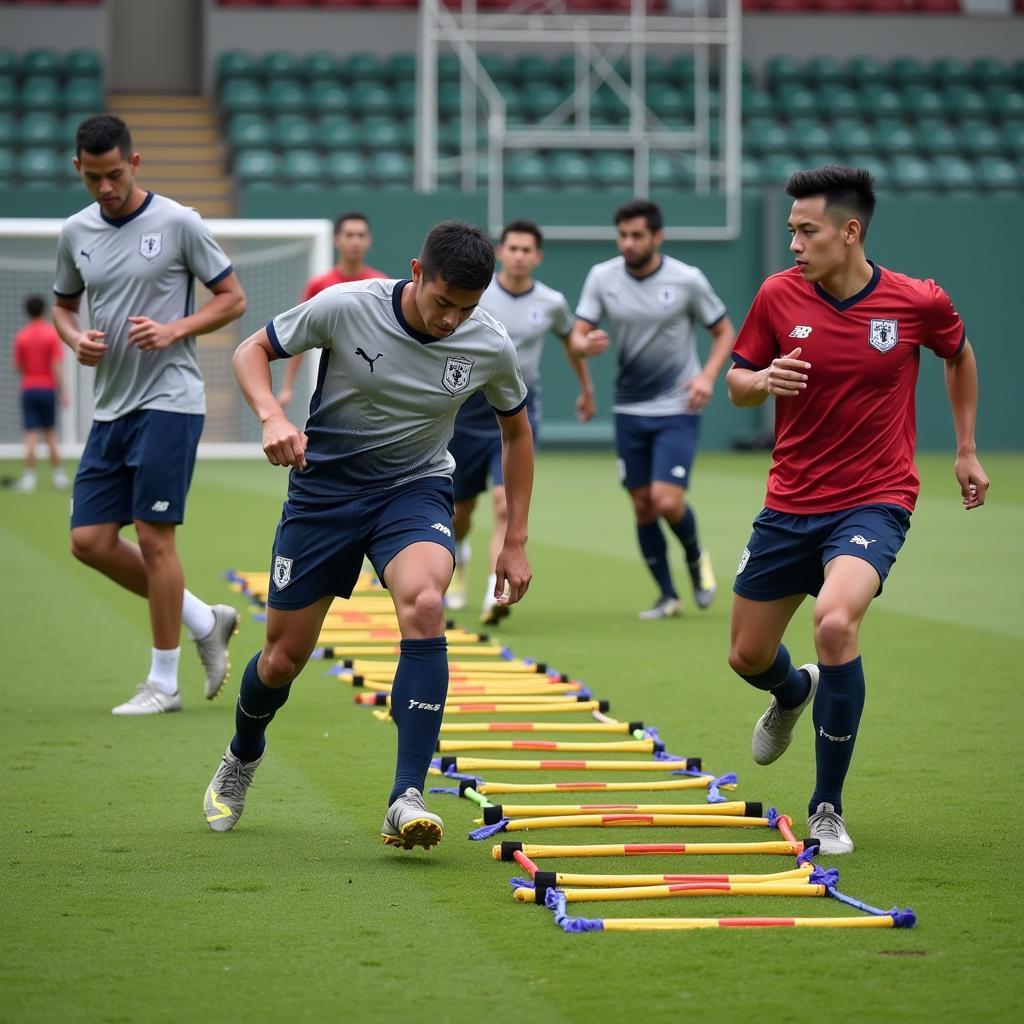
[(650, 322), (144, 264), (386, 397)]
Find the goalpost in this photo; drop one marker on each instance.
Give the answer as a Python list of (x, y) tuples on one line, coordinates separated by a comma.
[(273, 260)]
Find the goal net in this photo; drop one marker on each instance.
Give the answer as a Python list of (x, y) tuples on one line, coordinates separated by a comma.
[(273, 260)]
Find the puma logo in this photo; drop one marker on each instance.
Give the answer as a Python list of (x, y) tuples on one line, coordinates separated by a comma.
[(360, 352), (87, 255)]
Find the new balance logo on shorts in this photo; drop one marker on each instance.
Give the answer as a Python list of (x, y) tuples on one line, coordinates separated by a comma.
[(160, 506), (834, 739), (441, 528), (427, 707), (862, 541), (800, 331)]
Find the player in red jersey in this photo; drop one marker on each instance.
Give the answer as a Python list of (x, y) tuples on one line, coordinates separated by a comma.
[(837, 340), (352, 241)]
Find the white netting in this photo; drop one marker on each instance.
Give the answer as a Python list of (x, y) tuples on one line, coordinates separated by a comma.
[(273, 260)]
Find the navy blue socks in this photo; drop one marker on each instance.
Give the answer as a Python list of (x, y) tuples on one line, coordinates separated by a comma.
[(417, 706), (686, 530), (255, 710), (838, 705), (655, 552), (787, 684)]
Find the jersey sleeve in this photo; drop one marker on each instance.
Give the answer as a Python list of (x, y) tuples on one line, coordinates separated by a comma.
[(756, 345), (200, 251), (945, 333), (705, 305), (506, 390), (590, 307), (68, 283), (309, 325), (563, 321)]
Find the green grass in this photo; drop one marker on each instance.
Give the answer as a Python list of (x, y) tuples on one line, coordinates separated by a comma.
[(119, 905)]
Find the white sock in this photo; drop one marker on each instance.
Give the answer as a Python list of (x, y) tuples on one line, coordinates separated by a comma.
[(163, 670), (197, 616), (462, 552), (489, 599)]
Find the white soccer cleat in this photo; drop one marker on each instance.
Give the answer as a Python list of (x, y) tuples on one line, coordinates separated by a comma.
[(773, 732), (408, 823), (213, 648), (664, 608), (224, 799), (24, 485), (702, 579), (829, 829), (149, 700)]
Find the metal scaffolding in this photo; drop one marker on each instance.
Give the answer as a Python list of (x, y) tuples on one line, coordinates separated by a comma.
[(604, 45)]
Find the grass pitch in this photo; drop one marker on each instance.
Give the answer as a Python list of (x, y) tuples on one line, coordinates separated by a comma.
[(119, 904)]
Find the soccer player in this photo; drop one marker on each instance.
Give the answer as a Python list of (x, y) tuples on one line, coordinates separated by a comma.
[(528, 310), (135, 254), (650, 302), (371, 475), (837, 340), (352, 241), (37, 358)]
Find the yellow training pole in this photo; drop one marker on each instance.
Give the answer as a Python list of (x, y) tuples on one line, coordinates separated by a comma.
[(644, 786), (681, 924), (565, 879), (734, 808), (655, 892), (482, 764), (539, 852), (636, 821), (614, 747), (620, 728)]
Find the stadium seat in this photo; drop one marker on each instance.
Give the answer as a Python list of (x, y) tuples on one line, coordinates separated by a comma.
[(796, 101), (911, 173), (778, 167), (292, 130), (965, 101), (236, 64), (257, 165), (496, 67), (8, 61), (864, 71), (783, 73), (1013, 137), (824, 70), (401, 67), (526, 171), (881, 101), (250, 130), (320, 65), (613, 170), (978, 138), (852, 135), (570, 169), (955, 174), (839, 101), (764, 137), (948, 71), (6, 164), (448, 68), (38, 167), (894, 137), (301, 165), (384, 133), (391, 169), (82, 62), (67, 128), (328, 97), (8, 92), (530, 69), (39, 128), (874, 164), (750, 172), (936, 137), (242, 95), (541, 99), (1005, 102), (907, 71), (811, 136), (920, 100), (757, 103), (346, 168), (336, 131), (8, 128), (403, 98), (363, 67), (986, 71), (40, 92), (998, 174), (83, 94), (280, 64), (41, 61), (668, 102), (449, 99), (286, 96)]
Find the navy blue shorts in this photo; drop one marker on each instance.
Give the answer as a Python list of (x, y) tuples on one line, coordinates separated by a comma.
[(787, 554), (138, 466), (319, 548), (656, 448), (478, 458), (38, 408)]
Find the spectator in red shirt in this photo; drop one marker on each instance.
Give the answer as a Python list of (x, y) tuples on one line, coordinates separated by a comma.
[(352, 241), (38, 353), (838, 341)]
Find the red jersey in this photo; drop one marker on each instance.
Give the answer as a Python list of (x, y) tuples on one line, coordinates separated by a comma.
[(335, 276), (37, 346), (849, 438)]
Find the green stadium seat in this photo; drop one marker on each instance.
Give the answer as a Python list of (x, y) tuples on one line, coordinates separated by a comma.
[(613, 170), (449, 98), (383, 133), (936, 136), (750, 172), (852, 135), (606, 107), (764, 137), (778, 167), (864, 71), (83, 62), (38, 166), (906, 71), (8, 61), (83, 94), (242, 95), (680, 69), (947, 71), (249, 130), (825, 70), (570, 169), (921, 100), (236, 64), (336, 131), (302, 165), (810, 136), (541, 99), (978, 138), (257, 165), (328, 97), (913, 173), (401, 67), (783, 73), (955, 174), (839, 101), (874, 164), (1005, 102), (656, 70), (986, 71), (40, 128), (998, 174), (879, 100), (894, 137), (8, 92), (403, 98), (6, 164), (286, 96), (8, 128), (68, 128), (757, 103), (391, 169), (320, 65), (40, 92), (531, 69), (496, 67), (449, 69), (280, 64), (1013, 137), (526, 171), (797, 101), (292, 130), (965, 101), (669, 102), (364, 67), (662, 170), (346, 168), (41, 61)]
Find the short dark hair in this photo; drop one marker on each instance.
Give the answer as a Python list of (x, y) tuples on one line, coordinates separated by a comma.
[(458, 253), (850, 189), (523, 227), (651, 212), (102, 133), (351, 215), (35, 306)]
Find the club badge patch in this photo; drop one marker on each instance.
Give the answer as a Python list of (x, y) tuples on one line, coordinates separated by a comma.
[(456, 374), (536, 315), (282, 572), (666, 295), (151, 244), (884, 334)]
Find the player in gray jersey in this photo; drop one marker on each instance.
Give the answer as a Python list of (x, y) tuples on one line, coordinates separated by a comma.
[(529, 310), (371, 476), (650, 303), (135, 256)]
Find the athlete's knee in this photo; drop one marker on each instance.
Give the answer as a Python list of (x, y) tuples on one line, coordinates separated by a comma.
[(280, 663), (643, 506), (748, 659), (835, 633), (89, 544), (156, 542), (423, 610), (669, 504)]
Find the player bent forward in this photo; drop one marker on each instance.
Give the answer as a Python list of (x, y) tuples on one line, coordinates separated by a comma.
[(371, 475)]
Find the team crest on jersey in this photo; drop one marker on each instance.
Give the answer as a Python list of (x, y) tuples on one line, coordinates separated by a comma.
[(150, 244), (884, 334), (282, 572), (536, 315), (456, 374), (666, 295)]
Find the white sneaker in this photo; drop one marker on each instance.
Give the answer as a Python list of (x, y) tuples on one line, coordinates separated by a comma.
[(830, 830), (773, 732), (455, 597), (60, 480), (24, 485), (213, 648), (663, 608), (149, 700), (224, 799)]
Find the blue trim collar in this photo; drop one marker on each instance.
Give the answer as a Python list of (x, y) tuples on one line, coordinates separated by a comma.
[(844, 304), (119, 222), (396, 305), (514, 295), (644, 277)]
